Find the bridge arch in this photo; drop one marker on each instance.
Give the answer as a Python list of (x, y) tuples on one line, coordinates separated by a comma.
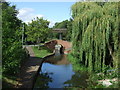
[(66, 46)]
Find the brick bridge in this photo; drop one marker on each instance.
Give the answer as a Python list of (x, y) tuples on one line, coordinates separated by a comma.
[(66, 45)]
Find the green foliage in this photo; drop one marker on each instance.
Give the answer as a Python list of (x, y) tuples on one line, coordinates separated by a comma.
[(9, 81), (12, 52), (64, 24), (42, 52), (77, 66), (95, 34), (95, 77), (44, 83), (37, 30), (0, 41)]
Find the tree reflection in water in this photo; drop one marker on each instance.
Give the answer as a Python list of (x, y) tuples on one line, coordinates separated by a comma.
[(77, 80), (42, 80), (56, 72)]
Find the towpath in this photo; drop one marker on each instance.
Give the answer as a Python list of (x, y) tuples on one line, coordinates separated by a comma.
[(29, 70)]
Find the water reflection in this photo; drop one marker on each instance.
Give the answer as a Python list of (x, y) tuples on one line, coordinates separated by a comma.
[(57, 72), (42, 80), (77, 80), (57, 60)]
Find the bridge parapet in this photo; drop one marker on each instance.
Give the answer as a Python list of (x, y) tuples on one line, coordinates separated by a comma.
[(66, 45), (56, 30)]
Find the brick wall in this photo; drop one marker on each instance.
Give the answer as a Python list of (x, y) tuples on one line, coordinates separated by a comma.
[(65, 44)]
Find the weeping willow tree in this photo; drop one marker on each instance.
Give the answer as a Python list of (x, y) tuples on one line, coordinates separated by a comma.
[(95, 34)]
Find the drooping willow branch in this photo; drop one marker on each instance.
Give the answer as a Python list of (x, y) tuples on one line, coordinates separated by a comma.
[(95, 34)]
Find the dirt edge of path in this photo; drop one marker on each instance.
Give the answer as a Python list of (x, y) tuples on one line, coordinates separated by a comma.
[(30, 69)]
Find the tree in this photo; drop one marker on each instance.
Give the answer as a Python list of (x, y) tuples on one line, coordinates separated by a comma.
[(69, 30), (64, 24), (12, 52), (95, 34), (37, 30)]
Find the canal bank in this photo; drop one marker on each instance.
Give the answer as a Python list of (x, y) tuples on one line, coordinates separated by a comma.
[(30, 69), (57, 72)]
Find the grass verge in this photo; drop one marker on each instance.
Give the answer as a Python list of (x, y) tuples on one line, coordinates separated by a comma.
[(76, 65), (97, 79), (9, 81), (41, 52)]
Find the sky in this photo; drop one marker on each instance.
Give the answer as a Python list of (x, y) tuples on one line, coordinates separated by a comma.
[(52, 11)]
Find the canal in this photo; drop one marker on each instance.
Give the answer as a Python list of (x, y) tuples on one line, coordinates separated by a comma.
[(57, 72)]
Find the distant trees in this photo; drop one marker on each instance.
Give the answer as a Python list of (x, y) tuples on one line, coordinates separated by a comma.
[(12, 52), (95, 35), (37, 30), (64, 24)]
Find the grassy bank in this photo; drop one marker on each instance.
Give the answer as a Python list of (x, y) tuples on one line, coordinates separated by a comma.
[(9, 81), (41, 52), (76, 65), (106, 79)]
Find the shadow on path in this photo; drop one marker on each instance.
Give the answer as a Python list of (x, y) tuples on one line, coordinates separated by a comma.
[(29, 70)]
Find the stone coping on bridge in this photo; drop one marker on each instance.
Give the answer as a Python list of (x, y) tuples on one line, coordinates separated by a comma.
[(60, 29), (67, 46)]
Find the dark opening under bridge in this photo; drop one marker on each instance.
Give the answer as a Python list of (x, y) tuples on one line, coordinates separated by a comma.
[(60, 31)]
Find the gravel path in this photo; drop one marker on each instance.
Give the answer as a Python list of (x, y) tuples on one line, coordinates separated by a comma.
[(29, 70)]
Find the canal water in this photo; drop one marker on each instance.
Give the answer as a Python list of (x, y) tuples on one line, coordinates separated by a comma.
[(57, 72)]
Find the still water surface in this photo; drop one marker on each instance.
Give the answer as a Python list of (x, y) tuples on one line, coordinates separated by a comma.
[(57, 72)]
